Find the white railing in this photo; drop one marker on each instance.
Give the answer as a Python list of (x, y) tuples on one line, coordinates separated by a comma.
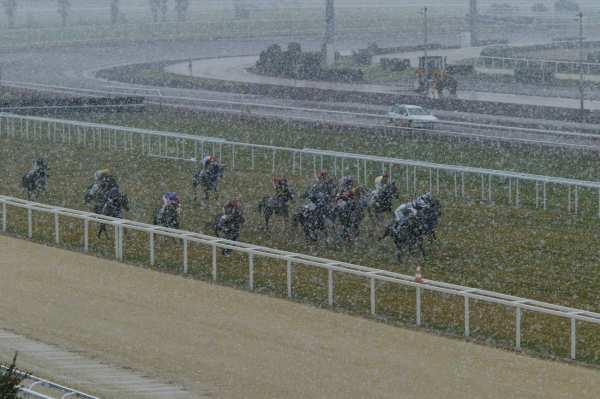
[(411, 176), (28, 388), (557, 65), (372, 275)]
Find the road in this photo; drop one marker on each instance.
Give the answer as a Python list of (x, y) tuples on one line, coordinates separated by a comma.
[(226, 343)]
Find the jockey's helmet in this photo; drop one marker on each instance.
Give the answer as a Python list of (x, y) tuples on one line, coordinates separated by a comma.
[(101, 173), (379, 180), (323, 174)]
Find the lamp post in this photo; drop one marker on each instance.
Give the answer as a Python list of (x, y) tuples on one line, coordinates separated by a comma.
[(581, 86)]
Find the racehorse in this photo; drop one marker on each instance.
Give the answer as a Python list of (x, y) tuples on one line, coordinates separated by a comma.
[(35, 181), (208, 177), (380, 200), (228, 224), (314, 217), (277, 204), (167, 217), (348, 212), (414, 222), (114, 204)]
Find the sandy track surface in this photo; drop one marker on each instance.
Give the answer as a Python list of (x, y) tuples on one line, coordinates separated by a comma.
[(234, 344)]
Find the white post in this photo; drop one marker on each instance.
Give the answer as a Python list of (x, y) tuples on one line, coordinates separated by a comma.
[(233, 157), (185, 256), (573, 338), (462, 184), (570, 199), (29, 223), (251, 271), (151, 245), (545, 196), (4, 217), (252, 158), (576, 200), (373, 298), (517, 198), (418, 306), (56, 229), (467, 329), (330, 287), (289, 278), (273, 163), (86, 235), (214, 262), (116, 242), (518, 328)]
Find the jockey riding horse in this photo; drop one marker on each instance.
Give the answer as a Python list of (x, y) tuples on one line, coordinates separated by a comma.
[(381, 198), (413, 222), (35, 180), (314, 214), (107, 198), (229, 223), (348, 211), (169, 214), (277, 204), (208, 177), (324, 186)]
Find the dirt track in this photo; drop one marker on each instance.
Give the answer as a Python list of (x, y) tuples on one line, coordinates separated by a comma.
[(235, 344)]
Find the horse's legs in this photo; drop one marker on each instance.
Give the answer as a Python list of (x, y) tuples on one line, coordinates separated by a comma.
[(101, 230)]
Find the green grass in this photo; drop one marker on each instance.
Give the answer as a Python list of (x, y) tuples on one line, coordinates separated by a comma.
[(535, 254)]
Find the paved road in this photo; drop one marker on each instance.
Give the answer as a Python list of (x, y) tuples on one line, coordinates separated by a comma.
[(228, 343)]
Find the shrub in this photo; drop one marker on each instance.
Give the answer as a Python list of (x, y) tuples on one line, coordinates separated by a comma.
[(10, 381), (395, 64)]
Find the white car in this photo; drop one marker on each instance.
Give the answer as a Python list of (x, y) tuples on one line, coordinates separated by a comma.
[(411, 116)]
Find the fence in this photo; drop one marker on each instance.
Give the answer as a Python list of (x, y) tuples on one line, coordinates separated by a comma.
[(373, 276), (412, 176), (28, 388), (558, 66)]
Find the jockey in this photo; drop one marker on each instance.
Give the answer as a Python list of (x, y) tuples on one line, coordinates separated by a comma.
[(380, 182), (171, 198), (404, 213), (346, 183), (232, 207), (282, 187), (209, 160)]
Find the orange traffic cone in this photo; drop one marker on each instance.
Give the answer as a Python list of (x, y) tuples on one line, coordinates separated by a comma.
[(418, 276)]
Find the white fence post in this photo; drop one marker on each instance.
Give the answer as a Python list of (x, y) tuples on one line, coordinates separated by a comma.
[(418, 306), (214, 262), (185, 256), (573, 338), (373, 297), (29, 223), (56, 229), (86, 235), (4, 217), (518, 318), (330, 287), (151, 248), (251, 271), (467, 321), (289, 278)]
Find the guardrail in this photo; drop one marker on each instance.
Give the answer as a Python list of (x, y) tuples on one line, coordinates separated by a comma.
[(410, 175), (28, 387), (559, 66), (291, 259)]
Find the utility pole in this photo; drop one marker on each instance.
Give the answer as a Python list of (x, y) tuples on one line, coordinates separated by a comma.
[(425, 45), (329, 45), (581, 87), (473, 17)]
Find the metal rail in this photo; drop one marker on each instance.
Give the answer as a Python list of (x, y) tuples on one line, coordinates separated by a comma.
[(412, 176), (28, 387), (511, 62), (291, 259)]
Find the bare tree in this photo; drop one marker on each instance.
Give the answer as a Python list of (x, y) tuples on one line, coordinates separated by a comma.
[(181, 8), (10, 8), (64, 8), (114, 11)]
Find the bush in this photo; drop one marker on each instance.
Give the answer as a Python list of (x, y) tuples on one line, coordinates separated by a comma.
[(346, 75)]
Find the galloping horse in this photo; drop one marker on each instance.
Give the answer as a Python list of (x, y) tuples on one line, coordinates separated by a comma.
[(208, 177), (114, 204), (169, 214), (229, 223), (381, 199), (35, 181), (277, 204)]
